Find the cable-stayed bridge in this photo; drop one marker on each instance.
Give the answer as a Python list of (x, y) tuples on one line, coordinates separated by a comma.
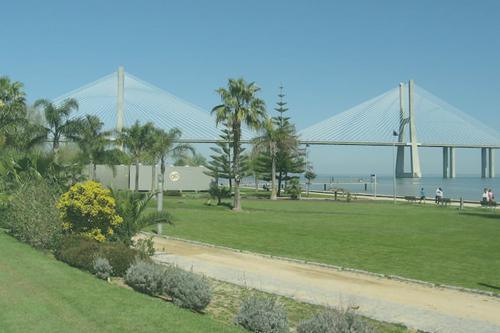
[(407, 117)]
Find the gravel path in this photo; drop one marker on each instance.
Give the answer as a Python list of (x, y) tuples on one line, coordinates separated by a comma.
[(413, 305)]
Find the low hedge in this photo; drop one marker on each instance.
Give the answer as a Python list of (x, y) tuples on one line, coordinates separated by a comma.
[(81, 252)]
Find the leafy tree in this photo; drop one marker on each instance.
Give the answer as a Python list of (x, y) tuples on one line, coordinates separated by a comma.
[(12, 104), (94, 143), (57, 120), (310, 176), (195, 160), (240, 104), (138, 140), (132, 207)]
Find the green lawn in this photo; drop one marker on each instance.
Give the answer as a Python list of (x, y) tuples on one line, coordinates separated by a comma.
[(437, 244), (40, 294)]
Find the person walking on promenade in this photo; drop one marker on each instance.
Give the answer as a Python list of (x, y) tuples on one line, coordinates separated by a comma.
[(491, 197), (439, 195), (484, 199), (422, 195)]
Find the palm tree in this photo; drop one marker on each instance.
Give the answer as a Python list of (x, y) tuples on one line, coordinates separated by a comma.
[(57, 119), (94, 143), (239, 105), (138, 140), (164, 146), (132, 207)]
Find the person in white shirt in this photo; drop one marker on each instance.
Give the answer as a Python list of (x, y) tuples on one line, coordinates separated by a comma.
[(484, 198), (439, 195)]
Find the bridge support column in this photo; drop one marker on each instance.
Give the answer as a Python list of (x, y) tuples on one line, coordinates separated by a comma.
[(484, 153), (491, 163), (120, 99), (452, 162), (446, 160)]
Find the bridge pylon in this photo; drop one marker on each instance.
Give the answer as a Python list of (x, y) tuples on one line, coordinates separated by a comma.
[(407, 120)]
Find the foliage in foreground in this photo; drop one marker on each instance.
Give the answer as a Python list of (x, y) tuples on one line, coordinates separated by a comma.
[(146, 277), (31, 216), (81, 252), (339, 320), (132, 207), (187, 289), (262, 314), (102, 268), (89, 209)]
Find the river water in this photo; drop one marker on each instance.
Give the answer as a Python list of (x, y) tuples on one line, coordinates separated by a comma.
[(469, 188)]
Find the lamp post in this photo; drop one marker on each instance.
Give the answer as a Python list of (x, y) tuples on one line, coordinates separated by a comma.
[(394, 135)]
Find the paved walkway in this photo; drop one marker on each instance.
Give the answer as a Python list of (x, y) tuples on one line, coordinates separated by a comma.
[(416, 306)]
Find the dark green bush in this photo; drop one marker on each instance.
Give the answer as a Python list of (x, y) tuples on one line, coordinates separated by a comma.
[(219, 192), (187, 289), (294, 188), (120, 256), (146, 277), (262, 315), (31, 216), (78, 252), (341, 320), (81, 252)]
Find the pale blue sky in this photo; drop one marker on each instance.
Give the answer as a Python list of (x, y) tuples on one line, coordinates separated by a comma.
[(329, 55)]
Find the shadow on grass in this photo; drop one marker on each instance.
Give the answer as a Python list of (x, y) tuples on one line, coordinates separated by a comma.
[(488, 286), (486, 215)]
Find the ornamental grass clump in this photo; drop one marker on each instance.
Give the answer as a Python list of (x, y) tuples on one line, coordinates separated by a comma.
[(262, 315), (89, 209), (187, 289), (339, 320), (102, 268), (146, 277)]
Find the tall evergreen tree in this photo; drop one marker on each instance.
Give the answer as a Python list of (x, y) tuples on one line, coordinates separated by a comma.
[(289, 158)]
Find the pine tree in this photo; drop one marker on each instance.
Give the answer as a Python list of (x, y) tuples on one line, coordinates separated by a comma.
[(220, 164), (289, 160)]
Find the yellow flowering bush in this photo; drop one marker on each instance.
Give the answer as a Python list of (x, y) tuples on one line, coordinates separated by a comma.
[(89, 209)]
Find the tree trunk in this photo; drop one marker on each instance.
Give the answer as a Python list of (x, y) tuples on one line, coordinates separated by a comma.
[(136, 187), (162, 186), (273, 178), (94, 167), (279, 183), (236, 167), (153, 178)]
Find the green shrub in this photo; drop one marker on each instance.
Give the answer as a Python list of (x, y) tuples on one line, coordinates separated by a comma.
[(219, 192), (80, 251), (145, 246), (146, 277), (89, 209), (341, 320), (187, 289), (102, 268), (262, 315), (293, 188), (120, 256), (31, 215)]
